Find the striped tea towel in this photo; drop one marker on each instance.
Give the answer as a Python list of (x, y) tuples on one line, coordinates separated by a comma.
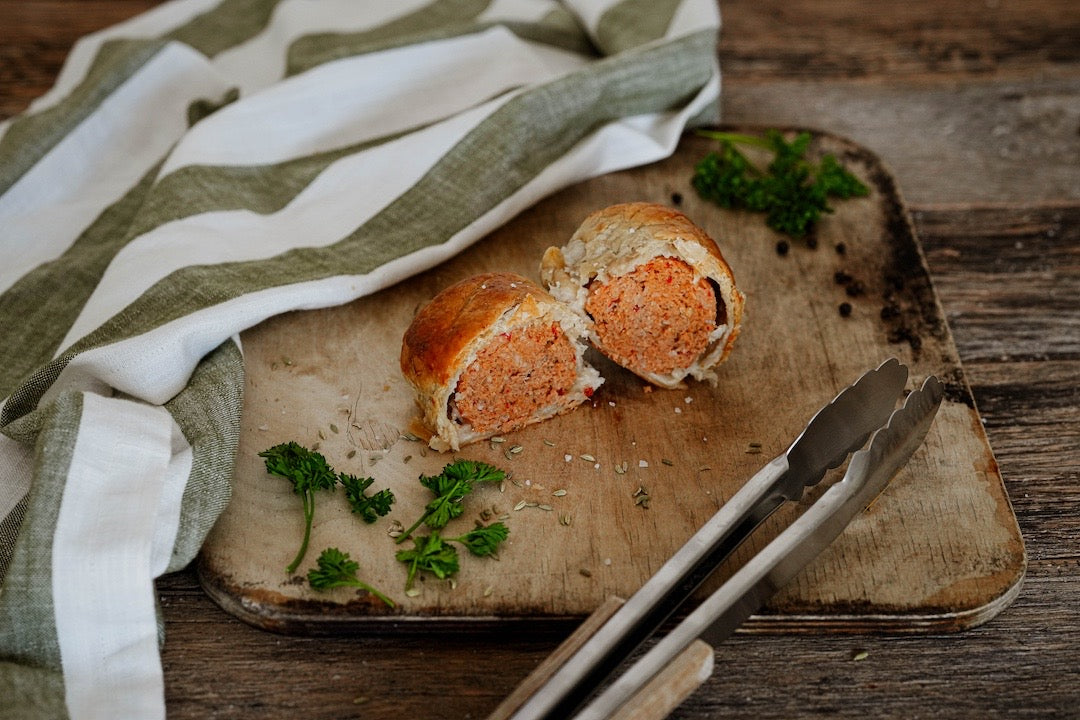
[(210, 164)]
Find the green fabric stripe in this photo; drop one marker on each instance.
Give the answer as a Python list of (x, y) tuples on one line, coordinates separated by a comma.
[(31, 693), (9, 531), (27, 629), (195, 189), (493, 161), (632, 23), (204, 107), (208, 413), (31, 137), (49, 298), (227, 25), (440, 21), (558, 28), (441, 18)]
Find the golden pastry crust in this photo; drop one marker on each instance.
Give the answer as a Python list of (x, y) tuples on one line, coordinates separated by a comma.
[(479, 320), (622, 239)]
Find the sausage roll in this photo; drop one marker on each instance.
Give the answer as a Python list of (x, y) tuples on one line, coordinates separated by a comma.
[(492, 354), (658, 297)]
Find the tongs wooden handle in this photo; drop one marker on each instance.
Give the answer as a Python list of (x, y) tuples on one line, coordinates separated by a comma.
[(838, 429), (654, 701)]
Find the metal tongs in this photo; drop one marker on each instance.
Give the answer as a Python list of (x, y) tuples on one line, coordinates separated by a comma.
[(566, 685)]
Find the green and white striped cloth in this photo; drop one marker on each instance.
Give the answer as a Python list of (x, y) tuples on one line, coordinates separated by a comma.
[(213, 163)]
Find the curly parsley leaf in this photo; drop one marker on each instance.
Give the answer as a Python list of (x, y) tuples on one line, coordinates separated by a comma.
[(430, 554), (792, 191), (308, 472), (484, 540), (368, 507), (336, 569)]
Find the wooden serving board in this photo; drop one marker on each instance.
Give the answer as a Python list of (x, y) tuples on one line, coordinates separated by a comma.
[(939, 550)]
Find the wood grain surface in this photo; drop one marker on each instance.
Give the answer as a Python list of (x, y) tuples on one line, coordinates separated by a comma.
[(940, 550), (975, 107)]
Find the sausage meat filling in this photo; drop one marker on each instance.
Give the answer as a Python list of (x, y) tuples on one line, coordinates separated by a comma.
[(656, 318), (516, 374)]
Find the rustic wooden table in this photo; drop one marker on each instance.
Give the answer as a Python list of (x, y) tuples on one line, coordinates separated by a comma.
[(976, 109)]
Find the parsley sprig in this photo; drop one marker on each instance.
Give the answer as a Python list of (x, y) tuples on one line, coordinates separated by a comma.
[(430, 553), (309, 472), (450, 488), (336, 569), (792, 191), (434, 554)]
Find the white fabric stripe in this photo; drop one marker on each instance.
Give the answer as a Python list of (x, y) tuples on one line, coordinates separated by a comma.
[(338, 201), (100, 160), (150, 24), (357, 99), (156, 365), (170, 504), (15, 472), (693, 16), (105, 548)]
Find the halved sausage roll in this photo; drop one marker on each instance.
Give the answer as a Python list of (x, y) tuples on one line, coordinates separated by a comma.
[(492, 354), (659, 298)]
